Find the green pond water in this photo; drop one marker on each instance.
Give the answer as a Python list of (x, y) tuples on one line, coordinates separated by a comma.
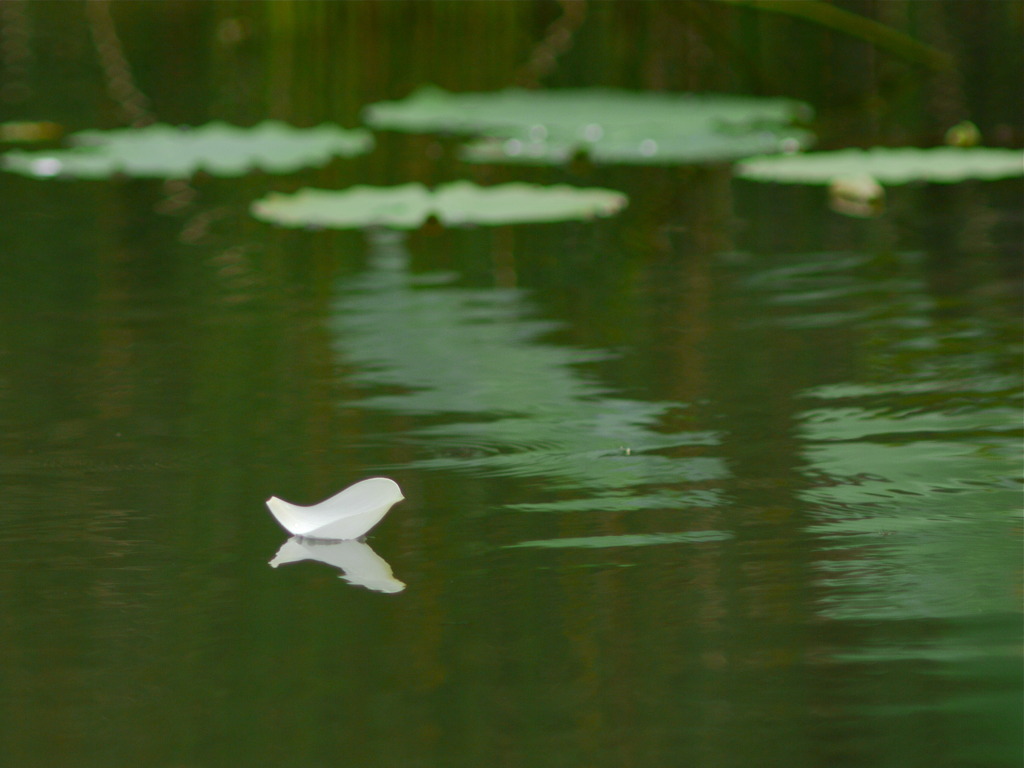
[(674, 514), (726, 480)]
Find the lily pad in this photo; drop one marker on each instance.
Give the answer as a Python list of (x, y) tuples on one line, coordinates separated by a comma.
[(611, 126), (460, 203), (887, 166), (169, 152), (623, 149), (590, 111)]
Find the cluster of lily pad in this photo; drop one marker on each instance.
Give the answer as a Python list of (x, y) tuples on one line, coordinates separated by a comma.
[(608, 126), (513, 126)]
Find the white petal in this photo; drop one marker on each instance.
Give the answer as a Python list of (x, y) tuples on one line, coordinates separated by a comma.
[(346, 515)]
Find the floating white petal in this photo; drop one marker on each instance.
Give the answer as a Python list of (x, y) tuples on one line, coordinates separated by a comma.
[(347, 515), (358, 562)]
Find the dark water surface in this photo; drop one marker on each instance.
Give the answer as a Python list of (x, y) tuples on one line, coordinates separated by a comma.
[(730, 480)]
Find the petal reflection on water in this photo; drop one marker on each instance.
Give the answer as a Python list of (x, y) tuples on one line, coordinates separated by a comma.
[(357, 561)]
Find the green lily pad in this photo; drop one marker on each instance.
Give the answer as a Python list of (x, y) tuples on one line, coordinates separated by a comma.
[(587, 111), (169, 152), (460, 203), (887, 166), (463, 202), (683, 149), (550, 127), (403, 207)]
